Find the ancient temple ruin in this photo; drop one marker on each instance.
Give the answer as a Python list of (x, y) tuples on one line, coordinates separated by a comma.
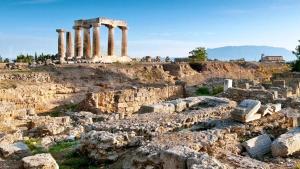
[(84, 50)]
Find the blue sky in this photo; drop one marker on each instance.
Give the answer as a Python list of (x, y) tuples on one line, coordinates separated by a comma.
[(156, 27)]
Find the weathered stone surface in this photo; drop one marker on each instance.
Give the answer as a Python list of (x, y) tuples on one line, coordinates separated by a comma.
[(258, 146), (287, 144), (16, 150), (176, 157), (46, 125), (106, 146), (179, 104), (11, 137), (40, 161), (158, 108), (247, 111), (204, 162), (269, 109), (238, 161)]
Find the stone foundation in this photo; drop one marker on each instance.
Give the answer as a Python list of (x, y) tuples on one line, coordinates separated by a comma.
[(238, 95), (129, 101)]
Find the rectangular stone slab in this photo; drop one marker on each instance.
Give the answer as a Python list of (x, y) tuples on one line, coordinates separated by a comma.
[(258, 146)]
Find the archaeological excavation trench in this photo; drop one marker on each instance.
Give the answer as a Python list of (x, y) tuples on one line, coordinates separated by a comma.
[(148, 116)]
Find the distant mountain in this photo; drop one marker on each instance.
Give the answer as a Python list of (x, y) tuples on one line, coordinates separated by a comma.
[(250, 53)]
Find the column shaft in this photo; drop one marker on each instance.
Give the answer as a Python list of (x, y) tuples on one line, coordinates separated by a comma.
[(110, 49), (78, 42), (87, 43), (124, 41), (69, 44), (96, 41), (61, 45)]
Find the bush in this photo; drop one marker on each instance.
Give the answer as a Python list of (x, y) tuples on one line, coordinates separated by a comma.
[(203, 91), (218, 89)]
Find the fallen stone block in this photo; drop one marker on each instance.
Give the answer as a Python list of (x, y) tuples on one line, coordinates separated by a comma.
[(176, 157), (191, 101), (265, 110), (179, 104), (40, 161), (258, 146), (247, 111), (287, 144), (16, 150), (158, 108)]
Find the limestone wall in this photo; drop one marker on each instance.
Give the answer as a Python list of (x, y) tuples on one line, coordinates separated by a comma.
[(238, 95), (129, 100), (30, 76)]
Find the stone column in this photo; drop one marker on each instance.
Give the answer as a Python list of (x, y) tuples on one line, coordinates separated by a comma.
[(78, 42), (96, 41), (111, 43), (69, 43), (124, 41), (61, 45), (87, 42)]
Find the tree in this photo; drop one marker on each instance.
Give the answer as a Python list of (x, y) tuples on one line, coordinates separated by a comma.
[(1, 59), (35, 57), (198, 54), (296, 64), (6, 60)]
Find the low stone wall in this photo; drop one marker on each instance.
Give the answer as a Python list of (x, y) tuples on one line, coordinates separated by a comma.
[(26, 76), (128, 101), (238, 95)]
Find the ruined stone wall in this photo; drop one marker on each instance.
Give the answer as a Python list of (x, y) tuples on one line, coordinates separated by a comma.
[(128, 101), (30, 76), (238, 95)]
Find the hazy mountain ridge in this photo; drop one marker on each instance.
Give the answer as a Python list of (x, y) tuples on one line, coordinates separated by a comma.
[(251, 53)]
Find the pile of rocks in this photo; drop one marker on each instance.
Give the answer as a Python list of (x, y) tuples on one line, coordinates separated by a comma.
[(105, 146)]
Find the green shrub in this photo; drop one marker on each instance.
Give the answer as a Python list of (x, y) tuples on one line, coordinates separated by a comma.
[(203, 91), (35, 146), (217, 89)]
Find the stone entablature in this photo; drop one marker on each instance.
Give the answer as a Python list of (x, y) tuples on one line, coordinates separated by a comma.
[(89, 49)]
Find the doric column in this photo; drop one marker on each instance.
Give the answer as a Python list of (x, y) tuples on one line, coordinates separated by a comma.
[(78, 42), (61, 45), (111, 43), (96, 40), (124, 41), (69, 44), (86, 42)]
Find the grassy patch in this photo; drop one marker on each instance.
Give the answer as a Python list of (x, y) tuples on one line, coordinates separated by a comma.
[(35, 146), (203, 91), (217, 89), (67, 157), (58, 111)]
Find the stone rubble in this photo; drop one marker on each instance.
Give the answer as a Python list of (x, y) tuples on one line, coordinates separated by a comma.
[(247, 111), (40, 161), (16, 150), (258, 146), (287, 144)]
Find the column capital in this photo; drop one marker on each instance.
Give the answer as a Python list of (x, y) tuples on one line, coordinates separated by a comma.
[(123, 27), (77, 27), (86, 26), (60, 30), (110, 26)]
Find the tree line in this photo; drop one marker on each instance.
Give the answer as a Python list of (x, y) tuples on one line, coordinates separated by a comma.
[(30, 58)]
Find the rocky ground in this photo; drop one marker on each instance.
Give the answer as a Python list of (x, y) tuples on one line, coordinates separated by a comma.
[(42, 126)]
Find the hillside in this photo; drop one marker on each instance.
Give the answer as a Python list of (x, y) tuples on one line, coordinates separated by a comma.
[(250, 53)]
